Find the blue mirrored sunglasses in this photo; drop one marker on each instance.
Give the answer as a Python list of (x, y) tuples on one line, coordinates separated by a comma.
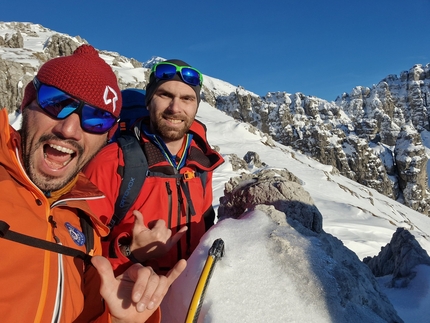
[(59, 105), (167, 71)]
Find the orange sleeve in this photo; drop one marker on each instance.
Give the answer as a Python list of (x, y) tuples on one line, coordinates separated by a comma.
[(156, 317)]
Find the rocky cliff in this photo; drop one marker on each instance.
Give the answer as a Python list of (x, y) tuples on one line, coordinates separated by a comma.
[(372, 135)]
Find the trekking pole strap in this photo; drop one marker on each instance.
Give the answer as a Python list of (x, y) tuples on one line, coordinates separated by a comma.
[(5, 233)]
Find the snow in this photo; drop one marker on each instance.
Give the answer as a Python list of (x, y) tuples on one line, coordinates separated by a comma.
[(257, 298), (249, 284)]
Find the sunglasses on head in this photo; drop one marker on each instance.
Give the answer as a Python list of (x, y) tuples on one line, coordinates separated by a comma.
[(167, 71), (59, 105)]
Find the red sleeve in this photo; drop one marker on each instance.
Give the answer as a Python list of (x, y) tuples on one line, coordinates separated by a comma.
[(208, 211), (209, 190), (102, 171)]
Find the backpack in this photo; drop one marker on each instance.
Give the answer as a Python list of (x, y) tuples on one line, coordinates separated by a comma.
[(133, 108), (135, 163)]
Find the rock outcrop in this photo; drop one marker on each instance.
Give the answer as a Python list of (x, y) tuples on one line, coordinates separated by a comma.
[(302, 247), (399, 258), (279, 188)]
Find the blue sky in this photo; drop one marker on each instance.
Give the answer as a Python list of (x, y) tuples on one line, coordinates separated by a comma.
[(320, 48)]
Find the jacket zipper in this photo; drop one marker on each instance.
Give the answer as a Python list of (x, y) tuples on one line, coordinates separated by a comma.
[(56, 316), (169, 200), (188, 234), (60, 291), (180, 202)]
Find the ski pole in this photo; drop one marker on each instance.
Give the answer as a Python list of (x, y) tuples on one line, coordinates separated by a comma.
[(215, 252)]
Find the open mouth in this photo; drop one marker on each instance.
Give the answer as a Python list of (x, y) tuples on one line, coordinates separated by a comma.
[(57, 156)]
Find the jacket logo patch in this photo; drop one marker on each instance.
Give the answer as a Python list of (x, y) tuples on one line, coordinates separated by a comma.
[(77, 236)]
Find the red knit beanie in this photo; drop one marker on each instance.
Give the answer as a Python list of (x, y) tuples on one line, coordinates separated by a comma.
[(83, 75)]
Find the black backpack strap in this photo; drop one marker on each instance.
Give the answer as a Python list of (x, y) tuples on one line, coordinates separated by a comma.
[(135, 171), (203, 175), (5, 233), (87, 230)]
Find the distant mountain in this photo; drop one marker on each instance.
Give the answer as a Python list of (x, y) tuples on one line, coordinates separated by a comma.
[(375, 136)]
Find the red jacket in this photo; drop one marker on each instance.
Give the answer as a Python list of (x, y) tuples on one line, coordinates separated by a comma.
[(38, 285), (160, 198)]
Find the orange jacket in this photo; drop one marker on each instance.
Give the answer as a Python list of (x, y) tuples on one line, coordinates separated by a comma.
[(162, 197), (39, 285)]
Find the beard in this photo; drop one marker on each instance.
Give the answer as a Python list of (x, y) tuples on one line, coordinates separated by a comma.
[(169, 133), (30, 145)]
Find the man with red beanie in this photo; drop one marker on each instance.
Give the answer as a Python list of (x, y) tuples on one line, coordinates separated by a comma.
[(48, 234), (176, 197)]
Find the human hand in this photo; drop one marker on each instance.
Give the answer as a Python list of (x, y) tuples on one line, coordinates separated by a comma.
[(134, 295), (152, 241)]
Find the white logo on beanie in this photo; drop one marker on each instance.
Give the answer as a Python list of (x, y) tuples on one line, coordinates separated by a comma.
[(110, 100)]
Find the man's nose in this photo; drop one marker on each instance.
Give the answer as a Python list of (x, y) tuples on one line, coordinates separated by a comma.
[(175, 104), (70, 127)]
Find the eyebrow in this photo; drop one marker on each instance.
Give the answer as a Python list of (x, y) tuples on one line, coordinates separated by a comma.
[(169, 93)]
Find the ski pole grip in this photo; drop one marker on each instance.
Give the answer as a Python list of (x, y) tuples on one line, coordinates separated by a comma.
[(217, 249)]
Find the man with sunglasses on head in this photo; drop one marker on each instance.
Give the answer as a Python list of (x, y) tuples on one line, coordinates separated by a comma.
[(50, 240), (174, 207)]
